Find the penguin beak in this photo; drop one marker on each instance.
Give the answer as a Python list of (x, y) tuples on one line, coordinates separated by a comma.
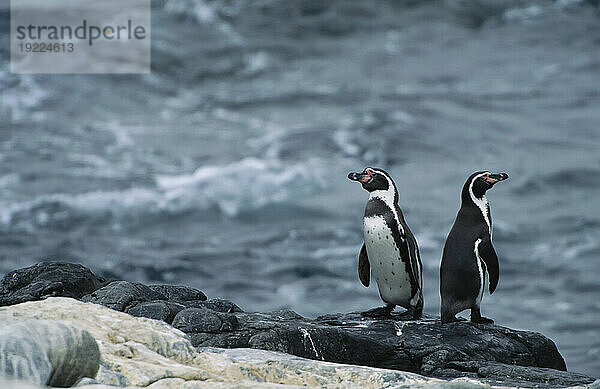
[(493, 178), (363, 177)]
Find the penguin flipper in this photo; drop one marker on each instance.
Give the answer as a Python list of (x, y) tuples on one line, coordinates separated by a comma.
[(409, 251), (488, 254), (416, 265), (364, 267)]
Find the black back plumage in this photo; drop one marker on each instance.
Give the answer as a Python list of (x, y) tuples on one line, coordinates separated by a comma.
[(469, 239)]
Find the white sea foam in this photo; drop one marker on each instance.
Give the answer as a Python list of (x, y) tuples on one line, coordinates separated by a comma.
[(20, 95), (247, 184), (205, 13), (8, 180), (523, 14)]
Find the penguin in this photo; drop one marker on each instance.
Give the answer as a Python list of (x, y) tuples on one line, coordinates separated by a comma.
[(468, 253), (390, 251)]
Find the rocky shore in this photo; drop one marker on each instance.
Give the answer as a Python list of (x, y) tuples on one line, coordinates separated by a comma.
[(48, 337)]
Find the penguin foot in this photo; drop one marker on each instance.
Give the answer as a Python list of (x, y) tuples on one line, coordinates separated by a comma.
[(477, 318), (412, 314), (482, 320), (417, 311), (408, 315), (379, 312)]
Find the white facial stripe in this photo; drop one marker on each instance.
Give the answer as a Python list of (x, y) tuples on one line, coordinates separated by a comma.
[(481, 272), (389, 180), (388, 196), (481, 203)]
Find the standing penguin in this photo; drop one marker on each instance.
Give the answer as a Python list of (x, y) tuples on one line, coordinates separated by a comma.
[(468, 252), (390, 249)]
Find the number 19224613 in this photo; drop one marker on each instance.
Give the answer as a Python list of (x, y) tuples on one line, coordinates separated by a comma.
[(46, 47)]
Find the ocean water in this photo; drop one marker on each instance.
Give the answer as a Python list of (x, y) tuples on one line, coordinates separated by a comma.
[(225, 169)]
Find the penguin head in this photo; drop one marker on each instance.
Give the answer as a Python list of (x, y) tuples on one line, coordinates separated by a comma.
[(479, 183), (374, 179)]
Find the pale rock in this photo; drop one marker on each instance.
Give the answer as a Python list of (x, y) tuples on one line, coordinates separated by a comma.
[(134, 351), (46, 352)]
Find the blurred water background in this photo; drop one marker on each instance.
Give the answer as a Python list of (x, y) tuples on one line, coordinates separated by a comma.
[(225, 169)]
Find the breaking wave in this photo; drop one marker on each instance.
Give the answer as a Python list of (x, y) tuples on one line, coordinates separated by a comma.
[(209, 188)]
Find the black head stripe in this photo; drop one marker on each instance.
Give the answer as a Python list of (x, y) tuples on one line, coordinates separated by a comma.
[(473, 183), (388, 180)]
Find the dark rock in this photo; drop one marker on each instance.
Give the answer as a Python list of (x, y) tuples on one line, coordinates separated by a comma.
[(48, 279), (285, 314), (202, 320), (285, 332), (495, 354), (158, 310), (120, 295), (178, 293), (505, 374), (535, 342), (219, 305)]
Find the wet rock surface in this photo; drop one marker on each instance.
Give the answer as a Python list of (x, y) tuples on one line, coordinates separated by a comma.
[(494, 354)]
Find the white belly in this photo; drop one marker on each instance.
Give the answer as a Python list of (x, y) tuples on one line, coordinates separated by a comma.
[(386, 266)]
